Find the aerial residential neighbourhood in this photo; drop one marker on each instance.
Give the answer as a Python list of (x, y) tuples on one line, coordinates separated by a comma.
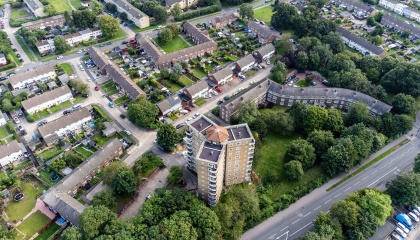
[(217, 119)]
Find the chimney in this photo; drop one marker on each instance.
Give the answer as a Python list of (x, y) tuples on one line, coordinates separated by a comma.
[(201, 125), (211, 152), (239, 133)]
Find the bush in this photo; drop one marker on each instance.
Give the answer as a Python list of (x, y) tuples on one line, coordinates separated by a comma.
[(216, 111), (147, 162), (293, 170), (175, 175), (10, 127), (203, 11)]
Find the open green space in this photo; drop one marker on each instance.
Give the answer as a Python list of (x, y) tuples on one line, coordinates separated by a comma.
[(264, 14), (186, 81), (17, 210), (60, 5), (11, 138), (55, 108), (15, 58), (25, 49), (65, 104), (83, 151), (45, 175), (284, 44), (198, 73), (19, 13), (303, 83), (50, 153), (76, 3), (48, 232), (176, 44), (33, 224), (3, 132), (120, 101), (137, 29), (67, 68), (109, 87)]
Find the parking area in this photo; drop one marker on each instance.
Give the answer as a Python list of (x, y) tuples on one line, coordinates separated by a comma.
[(406, 222)]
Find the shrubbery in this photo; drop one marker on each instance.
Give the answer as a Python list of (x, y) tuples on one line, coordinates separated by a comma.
[(203, 11)]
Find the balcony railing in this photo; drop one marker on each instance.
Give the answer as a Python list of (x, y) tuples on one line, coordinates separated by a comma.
[(189, 134), (213, 170), (212, 184)]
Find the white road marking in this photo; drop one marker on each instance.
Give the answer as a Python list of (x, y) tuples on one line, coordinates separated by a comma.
[(301, 228), (382, 176), (284, 229), (365, 178), (356, 183), (286, 233), (296, 221), (337, 195), (272, 236), (347, 189), (307, 214), (327, 201), (317, 208), (374, 172)]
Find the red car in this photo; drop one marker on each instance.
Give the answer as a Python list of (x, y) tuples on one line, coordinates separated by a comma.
[(218, 89), (96, 88), (188, 109)]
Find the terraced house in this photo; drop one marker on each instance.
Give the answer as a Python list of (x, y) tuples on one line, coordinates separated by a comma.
[(400, 26), (139, 18), (10, 153), (360, 10), (40, 74), (222, 21), (204, 45), (267, 91), (360, 44), (47, 99), (263, 32), (49, 22), (61, 198)]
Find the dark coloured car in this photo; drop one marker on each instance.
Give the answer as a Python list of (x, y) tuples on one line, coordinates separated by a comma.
[(219, 102), (85, 95), (3, 78), (18, 55), (86, 53), (123, 116), (20, 60), (11, 74), (180, 125), (66, 112), (14, 50), (109, 43), (124, 42), (227, 97)]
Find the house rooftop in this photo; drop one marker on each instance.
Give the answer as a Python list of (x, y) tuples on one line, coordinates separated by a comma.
[(266, 49), (239, 132), (23, 76), (130, 87), (63, 121), (44, 20), (168, 103), (360, 41), (9, 148), (136, 13), (223, 73), (34, 4), (197, 87), (405, 26), (47, 96), (245, 61), (263, 31), (99, 58)]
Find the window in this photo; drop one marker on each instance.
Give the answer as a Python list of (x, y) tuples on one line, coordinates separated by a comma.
[(238, 148), (237, 157), (237, 153)]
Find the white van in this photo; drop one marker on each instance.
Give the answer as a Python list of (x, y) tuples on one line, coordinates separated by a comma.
[(400, 225)]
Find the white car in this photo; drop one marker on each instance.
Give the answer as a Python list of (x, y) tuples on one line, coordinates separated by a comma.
[(404, 228), (189, 119), (401, 232), (413, 217), (59, 57), (214, 93), (417, 213), (88, 79), (16, 120), (80, 51), (196, 115), (128, 132)]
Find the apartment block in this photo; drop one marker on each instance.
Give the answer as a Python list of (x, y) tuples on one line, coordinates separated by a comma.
[(61, 198), (139, 18), (50, 22), (221, 156), (40, 74), (10, 153), (47, 99)]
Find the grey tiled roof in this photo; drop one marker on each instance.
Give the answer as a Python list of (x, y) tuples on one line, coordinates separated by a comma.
[(48, 19), (358, 5), (130, 87), (63, 121), (225, 18), (222, 73), (245, 60), (168, 103), (266, 49), (404, 26), (99, 58), (362, 42), (262, 30), (53, 94), (34, 4), (58, 197), (23, 76), (9, 148), (169, 3), (191, 29), (129, 8), (197, 87)]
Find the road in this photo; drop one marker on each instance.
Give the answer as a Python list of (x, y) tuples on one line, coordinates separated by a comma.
[(296, 220)]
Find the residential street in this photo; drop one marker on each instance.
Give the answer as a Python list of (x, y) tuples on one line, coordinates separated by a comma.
[(297, 219)]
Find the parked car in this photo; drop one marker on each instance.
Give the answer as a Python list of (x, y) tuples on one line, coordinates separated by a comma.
[(14, 50), (80, 51), (219, 102), (180, 125), (124, 42), (11, 74), (96, 88), (85, 95), (59, 57), (18, 55), (196, 115), (20, 60), (16, 120), (227, 97), (127, 132), (3, 78), (188, 109), (413, 217), (123, 116), (218, 89), (111, 105), (66, 112), (109, 43), (23, 132)]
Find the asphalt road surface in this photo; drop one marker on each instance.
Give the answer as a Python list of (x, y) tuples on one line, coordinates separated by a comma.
[(292, 224)]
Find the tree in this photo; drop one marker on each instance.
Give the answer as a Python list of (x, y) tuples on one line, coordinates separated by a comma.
[(174, 77), (335, 122), (164, 73), (167, 137), (403, 104), (340, 157), (347, 213), (72, 159), (341, 62), (148, 161), (109, 26), (298, 111), (165, 36), (50, 10), (321, 141), (403, 79), (175, 175), (104, 198), (246, 11), (318, 3), (82, 87), (248, 112), (293, 170), (6, 105), (143, 113), (61, 44), (111, 7), (58, 164), (111, 172), (99, 125), (376, 203), (205, 222), (358, 113), (404, 189), (316, 118), (393, 126), (405, 33), (72, 233), (94, 220), (279, 71), (84, 19), (302, 60), (283, 16), (124, 182), (176, 10), (302, 151), (416, 168), (68, 19), (97, 7), (177, 68), (377, 40), (334, 40)]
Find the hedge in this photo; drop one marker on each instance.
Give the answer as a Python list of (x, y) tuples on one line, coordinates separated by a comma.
[(204, 11)]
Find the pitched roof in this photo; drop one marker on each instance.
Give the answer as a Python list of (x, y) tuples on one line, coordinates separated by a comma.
[(100, 59), (168, 103), (197, 87), (362, 42), (44, 20), (58, 197), (245, 61), (358, 5), (262, 30), (130, 87), (169, 3), (404, 26), (9, 148), (225, 18), (35, 4), (217, 134), (47, 96), (149, 47), (223, 73), (135, 12), (191, 29), (63, 121), (264, 50), (23, 76)]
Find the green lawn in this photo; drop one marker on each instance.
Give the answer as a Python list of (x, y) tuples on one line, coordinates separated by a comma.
[(33, 224), (48, 232), (11, 138), (55, 108), (198, 73), (176, 44), (200, 101), (186, 81), (120, 101), (284, 44), (17, 210), (264, 14), (67, 68), (45, 175), (173, 87), (250, 73), (43, 113), (109, 87), (24, 164), (102, 113), (50, 153), (82, 151), (60, 5), (303, 83), (3, 132), (25, 49), (19, 13), (79, 98), (65, 104), (137, 29), (76, 3), (100, 140)]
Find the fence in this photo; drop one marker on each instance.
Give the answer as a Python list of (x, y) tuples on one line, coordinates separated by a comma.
[(136, 195), (48, 224)]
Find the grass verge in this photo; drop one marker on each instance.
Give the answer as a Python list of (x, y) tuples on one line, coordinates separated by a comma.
[(375, 160)]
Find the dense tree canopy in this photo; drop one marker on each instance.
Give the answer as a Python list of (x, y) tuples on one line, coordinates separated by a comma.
[(94, 220), (321, 141), (302, 151), (143, 113), (403, 79), (109, 26), (404, 189), (347, 213), (293, 170), (403, 104), (105, 198), (167, 137)]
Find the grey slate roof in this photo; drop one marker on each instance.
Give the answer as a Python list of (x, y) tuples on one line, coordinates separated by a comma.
[(130, 87), (53, 94), (191, 29), (58, 197), (362, 42), (262, 30), (404, 26), (266, 49), (169, 3), (197, 87), (100, 59), (168, 103), (358, 5), (245, 60), (63, 121), (34, 4), (9, 148), (48, 19), (222, 73), (23, 76)]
